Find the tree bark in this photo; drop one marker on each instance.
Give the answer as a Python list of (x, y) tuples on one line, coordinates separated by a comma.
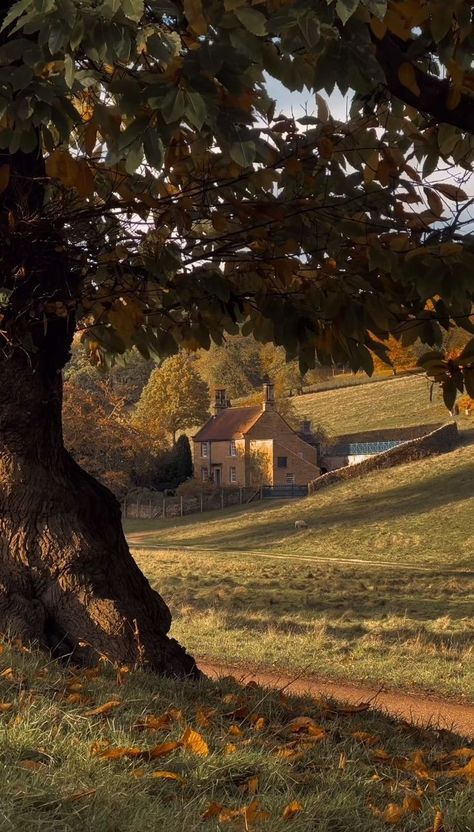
[(67, 579)]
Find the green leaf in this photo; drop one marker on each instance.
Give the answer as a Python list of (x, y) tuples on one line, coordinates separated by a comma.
[(195, 109), (154, 149), (346, 8), (377, 7), (174, 105), (16, 10), (243, 153), (253, 20), (449, 393)]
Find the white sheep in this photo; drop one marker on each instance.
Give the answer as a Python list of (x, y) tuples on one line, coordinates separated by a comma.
[(300, 524)]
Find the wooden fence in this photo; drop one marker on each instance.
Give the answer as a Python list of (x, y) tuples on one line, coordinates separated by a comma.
[(157, 506)]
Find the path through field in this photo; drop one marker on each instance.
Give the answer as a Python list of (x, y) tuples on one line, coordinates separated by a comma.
[(417, 709)]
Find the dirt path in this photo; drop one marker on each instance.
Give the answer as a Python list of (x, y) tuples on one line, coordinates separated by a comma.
[(415, 708)]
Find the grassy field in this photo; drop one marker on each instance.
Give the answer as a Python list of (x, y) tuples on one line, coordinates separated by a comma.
[(395, 403), (249, 588), (69, 764)]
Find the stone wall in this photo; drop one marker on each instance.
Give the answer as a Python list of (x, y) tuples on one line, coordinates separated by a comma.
[(438, 441)]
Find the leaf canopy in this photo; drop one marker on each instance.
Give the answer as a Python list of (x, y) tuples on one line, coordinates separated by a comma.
[(139, 140)]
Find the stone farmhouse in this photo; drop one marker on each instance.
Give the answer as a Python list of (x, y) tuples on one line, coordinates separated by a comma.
[(246, 446)]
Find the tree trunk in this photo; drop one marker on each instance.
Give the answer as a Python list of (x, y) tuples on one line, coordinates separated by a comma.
[(67, 579)]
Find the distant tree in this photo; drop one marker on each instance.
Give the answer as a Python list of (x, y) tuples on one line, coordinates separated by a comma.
[(100, 436), (184, 458), (235, 364), (127, 375), (401, 357), (174, 399), (285, 375)]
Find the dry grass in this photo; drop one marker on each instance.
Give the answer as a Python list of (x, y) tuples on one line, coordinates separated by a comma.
[(247, 586), (395, 403), (394, 627), (351, 774)]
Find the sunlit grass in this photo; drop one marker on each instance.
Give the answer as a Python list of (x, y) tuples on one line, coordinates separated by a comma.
[(53, 778)]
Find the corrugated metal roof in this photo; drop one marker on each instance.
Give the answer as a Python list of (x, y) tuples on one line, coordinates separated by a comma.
[(231, 423)]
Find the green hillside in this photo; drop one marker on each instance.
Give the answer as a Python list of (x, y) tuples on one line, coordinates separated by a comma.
[(419, 513), (379, 588), (392, 403)]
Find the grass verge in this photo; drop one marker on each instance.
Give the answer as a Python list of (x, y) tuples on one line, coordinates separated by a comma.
[(69, 764), (361, 623)]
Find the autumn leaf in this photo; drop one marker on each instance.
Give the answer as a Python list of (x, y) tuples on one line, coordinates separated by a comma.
[(4, 177), (212, 811), (31, 765), (203, 716), (194, 12), (292, 809), (73, 798), (407, 77), (259, 723), (365, 737), (230, 748), (105, 708), (393, 813), (5, 706), (167, 775), (254, 814), (193, 741), (119, 753), (234, 731), (155, 723), (438, 821), (162, 750), (411, 804), (451, 192), (464, 771)]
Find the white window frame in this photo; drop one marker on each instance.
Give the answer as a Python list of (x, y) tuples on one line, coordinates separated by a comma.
[(204, 474), (204, 450), (290, 479), (232, 448), (232, 474)]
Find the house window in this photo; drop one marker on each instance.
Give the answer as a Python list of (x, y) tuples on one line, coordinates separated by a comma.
[(204, 449), (233, 474), (290, 479), (232, 448), (282, 462), (204, 474)]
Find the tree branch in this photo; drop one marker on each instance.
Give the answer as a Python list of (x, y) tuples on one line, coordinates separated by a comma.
[(433, 91)]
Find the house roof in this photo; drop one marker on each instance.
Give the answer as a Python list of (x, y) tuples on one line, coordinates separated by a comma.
[(231, 423)]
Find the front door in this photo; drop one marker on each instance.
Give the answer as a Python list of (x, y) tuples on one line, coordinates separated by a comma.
[(217, 475)]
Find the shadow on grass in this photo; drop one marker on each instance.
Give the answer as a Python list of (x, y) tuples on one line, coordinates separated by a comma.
[(413, 499)]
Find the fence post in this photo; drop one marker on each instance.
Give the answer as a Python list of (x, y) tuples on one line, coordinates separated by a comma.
[(149, 509), (139, 506), (222, 498), (181, 505), (261, 492), (202, 501), (240, 495), (164, 507)]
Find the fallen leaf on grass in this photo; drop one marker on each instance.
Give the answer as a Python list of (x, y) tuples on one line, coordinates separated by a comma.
[(365, 737), (230, 748), (464, 771), (7, 673), (31, 765), (155, 723), (162, 750), (105, 708), (251, 813), (411, 804), (119, 753), (259, 723), (5, 706), (234, 731), (438, 821), (167, 775), (292, 809), (393, 813), (72, 798), (203, 716), (193, 741), (250, 786)]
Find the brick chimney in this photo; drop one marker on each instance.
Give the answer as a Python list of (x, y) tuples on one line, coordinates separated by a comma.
[(306, 427), (268, 396), (220, 400)]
